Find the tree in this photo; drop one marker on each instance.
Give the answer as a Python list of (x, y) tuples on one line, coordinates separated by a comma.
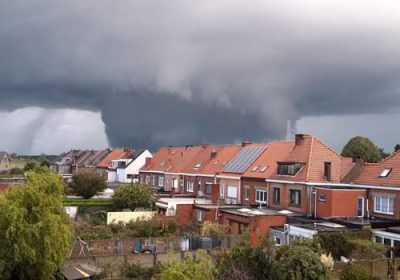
[(246, 262), (300, 261), (397, 147), (35, 232), (362, 147), (30, 165), (191, 268), (87, 183), (133, 196), (355, 273)]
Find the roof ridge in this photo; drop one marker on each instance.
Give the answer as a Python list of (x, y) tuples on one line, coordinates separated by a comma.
[(389, 157), (326, 146)]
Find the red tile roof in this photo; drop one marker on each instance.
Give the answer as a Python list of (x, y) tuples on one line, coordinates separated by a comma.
[(172, 159), (313, 153), (370, 173), (114, 155), (266, 165)]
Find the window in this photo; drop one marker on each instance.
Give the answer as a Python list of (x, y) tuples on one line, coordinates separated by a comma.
[(277, 240), (387, 241), (327, 171), (322, 197), (261, 196), (129, 176), (378, 239), (198, 165), (385, 172), (254, 169), (289, 168), (222, 191), (277, 195), (208, 188), (246, 192), (181, 181), (200, 216), (153, 179), (189, 186), (161, 181), (295, 197), (383, 204), (147, 180)]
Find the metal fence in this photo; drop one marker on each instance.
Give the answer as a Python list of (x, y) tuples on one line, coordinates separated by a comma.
[(154, 245)]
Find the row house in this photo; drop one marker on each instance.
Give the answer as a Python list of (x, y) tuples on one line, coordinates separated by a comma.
[(164, 170), (381, 182), (126, 168)]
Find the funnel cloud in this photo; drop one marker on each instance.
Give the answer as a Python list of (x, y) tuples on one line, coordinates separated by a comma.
[(184, 72)]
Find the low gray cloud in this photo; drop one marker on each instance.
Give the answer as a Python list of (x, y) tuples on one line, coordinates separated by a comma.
[(176, 72)]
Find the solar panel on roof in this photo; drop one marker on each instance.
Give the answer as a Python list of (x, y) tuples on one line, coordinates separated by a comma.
[(243, 160)]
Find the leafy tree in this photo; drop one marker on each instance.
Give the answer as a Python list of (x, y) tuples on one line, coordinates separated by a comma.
[(45, 162), (355, 273), (362, 147), (30, 165), (87, 183), (397, 147), (300, 261), (246, 262), (35, 232), (133, 196), (192, 268)]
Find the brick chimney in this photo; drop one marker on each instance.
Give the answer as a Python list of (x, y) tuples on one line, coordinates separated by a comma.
[(245, 143), (298, 139), (148, 161), (213, 154)]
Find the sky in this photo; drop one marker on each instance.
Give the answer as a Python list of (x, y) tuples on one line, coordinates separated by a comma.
[(151, 73)]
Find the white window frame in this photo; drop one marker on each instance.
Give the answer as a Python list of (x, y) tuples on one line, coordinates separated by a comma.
[(153, 180), (379, 206), (208, 185), (189, 186), (246, 192), (264, 194), (200, 216), (148, 178), (161, 181), (222, 191)]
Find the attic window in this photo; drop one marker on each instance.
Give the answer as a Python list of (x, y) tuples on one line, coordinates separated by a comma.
[(197, 165), (385, 172), (254, 169), (263, 169)]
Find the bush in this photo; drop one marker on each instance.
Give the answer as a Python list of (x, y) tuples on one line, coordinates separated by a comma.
[(335, 243), (16, 171), (300, 262), (134, 270), (133, 196), (87, 183), (355, 273), (366, 249)]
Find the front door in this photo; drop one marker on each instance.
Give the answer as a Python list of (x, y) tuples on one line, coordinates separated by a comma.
[(360, 207)]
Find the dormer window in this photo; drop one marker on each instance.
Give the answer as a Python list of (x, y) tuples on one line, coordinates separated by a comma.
[(289, 168), (385, 172)]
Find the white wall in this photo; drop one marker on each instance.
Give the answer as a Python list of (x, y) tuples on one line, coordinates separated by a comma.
[(133, 167)]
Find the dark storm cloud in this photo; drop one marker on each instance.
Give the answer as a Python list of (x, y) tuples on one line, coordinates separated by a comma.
[(173, 72)]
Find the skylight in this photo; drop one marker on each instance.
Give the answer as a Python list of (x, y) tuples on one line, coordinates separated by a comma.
[(254, 169), (197, 165), (263, 168), (385, 172)]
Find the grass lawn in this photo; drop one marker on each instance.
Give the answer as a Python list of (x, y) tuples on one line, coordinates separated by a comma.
[(87, 202)]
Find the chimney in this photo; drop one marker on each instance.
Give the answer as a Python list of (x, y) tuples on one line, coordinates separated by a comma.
[(148, 161), (298, 139), (245, 143), (204, 145), (213, 154), (356, 159)]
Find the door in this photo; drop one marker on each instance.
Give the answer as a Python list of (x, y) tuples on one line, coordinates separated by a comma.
[(360, 206)]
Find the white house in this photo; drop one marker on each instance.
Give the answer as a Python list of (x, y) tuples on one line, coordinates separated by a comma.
[(127, 170)]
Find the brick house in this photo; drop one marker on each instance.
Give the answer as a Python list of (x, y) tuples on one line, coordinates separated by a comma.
[(313, 179)]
